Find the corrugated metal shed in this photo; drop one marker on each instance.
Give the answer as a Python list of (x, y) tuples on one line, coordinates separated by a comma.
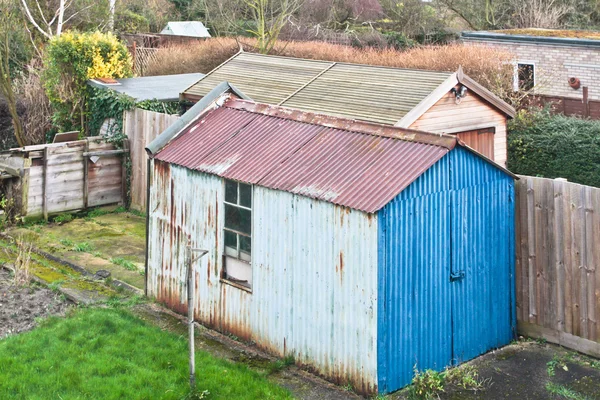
[(369, 93), (360, 167), (446, 268)]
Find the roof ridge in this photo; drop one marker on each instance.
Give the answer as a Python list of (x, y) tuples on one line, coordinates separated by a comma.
[(363, 127)]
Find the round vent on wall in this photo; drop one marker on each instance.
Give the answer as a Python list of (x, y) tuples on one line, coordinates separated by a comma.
[(574, 83)]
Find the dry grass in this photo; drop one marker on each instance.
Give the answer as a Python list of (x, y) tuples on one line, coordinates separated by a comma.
[(37, 118), (489, 66), (22, 263), (560, 33)]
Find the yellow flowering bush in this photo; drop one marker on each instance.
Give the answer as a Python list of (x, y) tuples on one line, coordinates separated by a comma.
[(73, 58)]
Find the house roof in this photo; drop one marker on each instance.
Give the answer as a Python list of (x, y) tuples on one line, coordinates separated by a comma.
[(369, 93), (163, 87), (557, 37), (355, 164), (186, 28)]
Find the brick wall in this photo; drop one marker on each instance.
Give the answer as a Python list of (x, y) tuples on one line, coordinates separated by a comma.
[(555, 64)]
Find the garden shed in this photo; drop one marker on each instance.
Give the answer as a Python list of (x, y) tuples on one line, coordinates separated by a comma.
[(362, 250), (433, 101)]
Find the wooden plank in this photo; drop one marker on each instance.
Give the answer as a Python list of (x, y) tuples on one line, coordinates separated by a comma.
[(589, 269), (85, 176), (596, 255), (559, 253), (531, 256), (582, 345), (550, 255), (522, 185), (105, 153), (518, 265), (568, 267), (576, 227), (45, 185)]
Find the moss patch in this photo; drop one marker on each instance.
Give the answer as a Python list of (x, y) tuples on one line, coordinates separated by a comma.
[(101, 236), (558, 33)]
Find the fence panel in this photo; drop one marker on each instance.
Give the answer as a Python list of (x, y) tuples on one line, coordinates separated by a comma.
[(558, 262), (141, 128)]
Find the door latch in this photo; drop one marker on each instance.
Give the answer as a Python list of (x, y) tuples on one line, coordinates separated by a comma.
[(456, 276)]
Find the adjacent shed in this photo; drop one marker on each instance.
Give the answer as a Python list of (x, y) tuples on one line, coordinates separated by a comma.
[(363, 250), (186, 28), (440, 102)]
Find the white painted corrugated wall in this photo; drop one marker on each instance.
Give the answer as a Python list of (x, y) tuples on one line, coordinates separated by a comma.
[(314, 266)]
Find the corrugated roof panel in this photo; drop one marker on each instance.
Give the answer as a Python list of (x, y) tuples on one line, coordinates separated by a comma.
[(353, 169), (363, 92), (264, 79), (368, 93), (272, 148), (200, 138), (258, 148)]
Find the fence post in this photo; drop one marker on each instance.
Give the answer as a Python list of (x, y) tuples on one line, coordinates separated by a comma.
[(86, 167), (45, 184), (124, 173), (586, 104)]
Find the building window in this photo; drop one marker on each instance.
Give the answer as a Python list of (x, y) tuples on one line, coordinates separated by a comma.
[(238, 233), (525, 76)]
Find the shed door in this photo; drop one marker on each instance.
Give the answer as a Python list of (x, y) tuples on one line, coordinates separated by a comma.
[(481, 140), (480, 272)]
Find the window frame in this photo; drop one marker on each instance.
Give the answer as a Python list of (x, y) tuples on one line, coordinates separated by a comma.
[(516, 83), (239, 256)]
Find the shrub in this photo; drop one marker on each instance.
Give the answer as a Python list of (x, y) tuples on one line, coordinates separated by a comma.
[(490, 67), (73, 58), (553, 146), (130, 22)]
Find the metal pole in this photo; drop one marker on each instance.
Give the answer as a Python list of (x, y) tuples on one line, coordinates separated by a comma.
[(189, 262)]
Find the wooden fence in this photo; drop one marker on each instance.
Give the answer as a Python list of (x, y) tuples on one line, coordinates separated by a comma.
[(558, 262), (571, 106), (55, 178), (141, 127)]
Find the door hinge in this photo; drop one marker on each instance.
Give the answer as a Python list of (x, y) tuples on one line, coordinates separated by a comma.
[(456, 276)]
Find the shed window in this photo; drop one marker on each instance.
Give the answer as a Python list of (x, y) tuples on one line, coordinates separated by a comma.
[(526, 76), (238, 233)]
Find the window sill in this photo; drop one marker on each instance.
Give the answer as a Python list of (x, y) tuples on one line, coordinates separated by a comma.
[(236, 285)]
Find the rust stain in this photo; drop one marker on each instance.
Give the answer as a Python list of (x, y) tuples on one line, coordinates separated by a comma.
[(341, 264)]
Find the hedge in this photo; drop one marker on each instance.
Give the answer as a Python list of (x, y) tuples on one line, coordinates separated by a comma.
[(554, 146)]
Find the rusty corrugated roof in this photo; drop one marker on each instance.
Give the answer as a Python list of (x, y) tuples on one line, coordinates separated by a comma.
[(364, 92), (354, 164)]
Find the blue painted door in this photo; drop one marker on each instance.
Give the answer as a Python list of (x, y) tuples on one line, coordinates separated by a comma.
[(481, 272)]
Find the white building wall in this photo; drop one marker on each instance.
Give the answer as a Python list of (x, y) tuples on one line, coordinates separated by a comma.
[(314, 266), (555, 64)]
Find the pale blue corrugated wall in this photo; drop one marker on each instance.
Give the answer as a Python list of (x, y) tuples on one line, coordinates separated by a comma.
[(314, 293), (458, 216)]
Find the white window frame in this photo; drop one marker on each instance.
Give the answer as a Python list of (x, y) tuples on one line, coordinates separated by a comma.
[(516, 73), (238, 258)]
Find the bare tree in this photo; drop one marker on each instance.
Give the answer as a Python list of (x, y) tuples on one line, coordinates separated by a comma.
[(270, 16), (7, 21), (53, 26), (539, 13)]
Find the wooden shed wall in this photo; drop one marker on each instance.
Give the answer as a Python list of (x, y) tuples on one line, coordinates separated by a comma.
[(472, 113), (57, 174)]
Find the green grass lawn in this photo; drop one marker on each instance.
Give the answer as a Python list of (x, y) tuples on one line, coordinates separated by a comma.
[(111, 354)]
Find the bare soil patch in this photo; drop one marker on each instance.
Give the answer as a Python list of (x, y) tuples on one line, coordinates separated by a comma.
[(21, 307)]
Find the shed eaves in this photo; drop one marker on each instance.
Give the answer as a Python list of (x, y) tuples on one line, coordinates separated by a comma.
[(357, 165), (366, 92)]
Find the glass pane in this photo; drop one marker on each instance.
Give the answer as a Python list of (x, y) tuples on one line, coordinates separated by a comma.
[(245, 195), (245, 244), (231, 252), (238, 219), (231, 192), (231, 239)]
